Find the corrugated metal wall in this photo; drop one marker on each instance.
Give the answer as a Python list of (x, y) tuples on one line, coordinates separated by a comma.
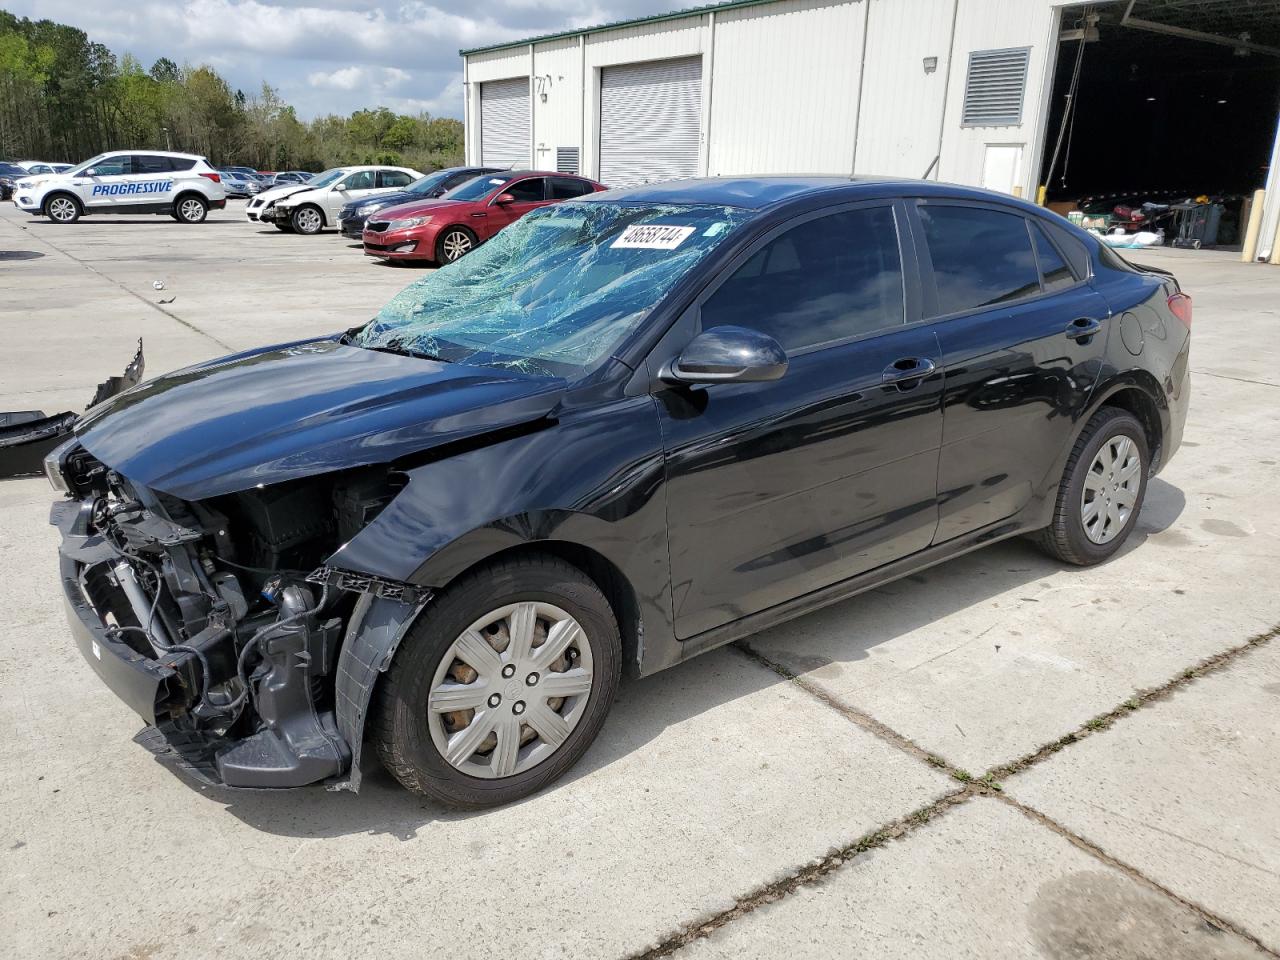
[(781, 85), (771, 118)]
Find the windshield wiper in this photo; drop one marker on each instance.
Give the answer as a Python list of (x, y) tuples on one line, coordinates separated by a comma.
[(404, 351)]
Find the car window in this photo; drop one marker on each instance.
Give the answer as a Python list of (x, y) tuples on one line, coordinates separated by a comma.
[(980, 256), (566, 188), (478, 188), (528, 191), (145, 163), (393, 178), (828, 279), (181, 163), (1076, 252), (1054, 272), (111, 167), (361, 180)]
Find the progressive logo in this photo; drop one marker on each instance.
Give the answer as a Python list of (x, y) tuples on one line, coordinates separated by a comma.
[(148, 186)]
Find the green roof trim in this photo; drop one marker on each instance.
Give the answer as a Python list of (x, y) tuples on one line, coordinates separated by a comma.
[(655, 18)]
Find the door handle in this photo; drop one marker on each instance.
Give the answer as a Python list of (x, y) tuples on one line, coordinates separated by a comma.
[(1082, 328), (480, 213), (906, 370)]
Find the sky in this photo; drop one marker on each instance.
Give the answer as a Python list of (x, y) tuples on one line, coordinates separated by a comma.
[(331, 56)]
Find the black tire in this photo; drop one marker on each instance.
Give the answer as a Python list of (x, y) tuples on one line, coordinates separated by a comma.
[(302, 221), (55, 204), (1066, 538), (190, 208), (449, 241), (398, 726)]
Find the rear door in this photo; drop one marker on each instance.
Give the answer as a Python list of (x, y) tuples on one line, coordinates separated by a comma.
[(1022, 336), (528, 194), (393, 179), (778, 489), (150, 180)]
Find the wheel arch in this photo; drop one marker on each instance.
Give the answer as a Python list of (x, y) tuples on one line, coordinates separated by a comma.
[(1137, 393), (54, 194)]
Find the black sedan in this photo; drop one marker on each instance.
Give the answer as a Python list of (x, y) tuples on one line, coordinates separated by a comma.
[(10, 173), (631, 428), (352, 217)]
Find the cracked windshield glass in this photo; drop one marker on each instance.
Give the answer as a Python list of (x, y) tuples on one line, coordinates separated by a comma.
[(554, 293)]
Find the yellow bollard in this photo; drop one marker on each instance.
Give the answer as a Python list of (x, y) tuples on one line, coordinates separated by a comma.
[(1042, 193), (1253, 227), (1275, 247)]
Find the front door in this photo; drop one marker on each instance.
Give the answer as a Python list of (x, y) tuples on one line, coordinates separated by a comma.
[(353, 187), (1022, 339), (778, 489), (528, 194), (101, 184)]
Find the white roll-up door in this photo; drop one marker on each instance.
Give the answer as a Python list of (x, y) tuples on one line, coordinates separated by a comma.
[(504, 123), (650, 121)]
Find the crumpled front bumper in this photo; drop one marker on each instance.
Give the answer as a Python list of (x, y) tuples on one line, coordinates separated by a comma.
[(145, 685)]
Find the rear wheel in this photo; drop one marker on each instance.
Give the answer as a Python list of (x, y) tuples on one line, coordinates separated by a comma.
[(501, 685), (454, 243), (191, 209), (1102, 490), (61, 208), (307, 220)]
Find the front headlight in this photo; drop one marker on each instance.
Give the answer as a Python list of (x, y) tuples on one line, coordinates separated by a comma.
[(31, 182), (53, 466), (407, 223)]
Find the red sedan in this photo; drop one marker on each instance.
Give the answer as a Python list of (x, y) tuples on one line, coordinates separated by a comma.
[(443, 230)]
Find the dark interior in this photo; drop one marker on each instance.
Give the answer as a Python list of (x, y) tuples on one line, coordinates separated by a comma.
[(1164, 117)]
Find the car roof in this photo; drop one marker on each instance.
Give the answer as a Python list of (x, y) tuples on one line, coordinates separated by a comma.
[(153, 153), (758, 193)]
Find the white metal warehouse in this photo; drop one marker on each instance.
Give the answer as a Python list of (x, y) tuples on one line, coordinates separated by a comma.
[(967, 91)]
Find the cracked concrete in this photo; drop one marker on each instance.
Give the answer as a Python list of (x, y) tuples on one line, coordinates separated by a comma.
[(815, 799)]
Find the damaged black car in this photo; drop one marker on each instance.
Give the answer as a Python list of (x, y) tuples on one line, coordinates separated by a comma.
[(631, 428)]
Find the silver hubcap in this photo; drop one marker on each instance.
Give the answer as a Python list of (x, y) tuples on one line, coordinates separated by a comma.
[(510, 690), (1111, 489), (308, 221), (455, 245), (191, 210), (62, 209)]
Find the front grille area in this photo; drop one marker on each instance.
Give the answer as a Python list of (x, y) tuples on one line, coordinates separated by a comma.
[(377, 226)]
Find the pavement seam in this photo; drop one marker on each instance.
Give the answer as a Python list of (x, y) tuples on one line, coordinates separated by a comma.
[(987, 785), (1140, 699), (1133, 873), (154, 306), (810, 873), (1223, 376)]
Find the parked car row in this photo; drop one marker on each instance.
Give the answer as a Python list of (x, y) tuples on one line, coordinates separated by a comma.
[(400, 215)]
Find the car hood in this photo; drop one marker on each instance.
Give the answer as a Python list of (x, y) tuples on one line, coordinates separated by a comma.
[(381, 200), (299, 194), (298, 410), (416, 207), (279, 193)]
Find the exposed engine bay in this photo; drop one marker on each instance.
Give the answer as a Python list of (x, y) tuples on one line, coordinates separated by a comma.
[(219, 612)]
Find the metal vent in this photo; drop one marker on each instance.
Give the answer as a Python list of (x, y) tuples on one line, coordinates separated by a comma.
[(566, 159), (994, 88)]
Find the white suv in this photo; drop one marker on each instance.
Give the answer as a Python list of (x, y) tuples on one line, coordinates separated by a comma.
[(182, 185), (310, 207)]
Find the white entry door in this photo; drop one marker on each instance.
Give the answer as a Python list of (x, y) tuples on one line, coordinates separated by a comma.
[(1002, 166)]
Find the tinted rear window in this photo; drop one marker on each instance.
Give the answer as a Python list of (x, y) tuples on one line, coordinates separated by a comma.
[(980, 257), (564, 188), (1054, 272), (1072, 247), (181, 163)]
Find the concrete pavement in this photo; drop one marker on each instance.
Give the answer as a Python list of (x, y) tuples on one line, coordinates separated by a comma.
[(815, 792)]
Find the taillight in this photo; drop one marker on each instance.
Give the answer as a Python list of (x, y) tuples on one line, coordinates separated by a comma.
[(1180, 306), (215, 177)]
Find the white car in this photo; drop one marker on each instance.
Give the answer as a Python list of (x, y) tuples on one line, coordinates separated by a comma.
[(310, 207), (34, 167), (182, 185)]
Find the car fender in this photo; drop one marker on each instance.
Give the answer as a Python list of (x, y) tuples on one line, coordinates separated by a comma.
[(591, 480)]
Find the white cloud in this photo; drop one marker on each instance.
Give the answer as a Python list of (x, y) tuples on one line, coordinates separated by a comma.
[(330, 56)]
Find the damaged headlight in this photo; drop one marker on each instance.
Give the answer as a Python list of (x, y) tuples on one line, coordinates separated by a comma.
[(53, 462)]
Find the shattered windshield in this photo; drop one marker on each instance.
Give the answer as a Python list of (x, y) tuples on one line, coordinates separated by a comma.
[(556, 291)]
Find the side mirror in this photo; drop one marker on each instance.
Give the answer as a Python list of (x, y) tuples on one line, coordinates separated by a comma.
[(728, 355), (503, 199), (91, 172)]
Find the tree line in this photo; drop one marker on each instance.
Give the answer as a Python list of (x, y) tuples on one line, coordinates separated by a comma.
[(65, 98)]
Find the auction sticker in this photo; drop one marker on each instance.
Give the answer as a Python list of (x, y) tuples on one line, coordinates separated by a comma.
[(653, 236)]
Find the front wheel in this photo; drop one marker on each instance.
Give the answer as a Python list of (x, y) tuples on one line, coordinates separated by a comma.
[(1102, 490), (307, 220), (454, 243), (501, 685), (62, 209), (191, 209)]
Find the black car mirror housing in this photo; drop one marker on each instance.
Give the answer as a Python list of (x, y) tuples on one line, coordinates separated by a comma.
[(728, 354)]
